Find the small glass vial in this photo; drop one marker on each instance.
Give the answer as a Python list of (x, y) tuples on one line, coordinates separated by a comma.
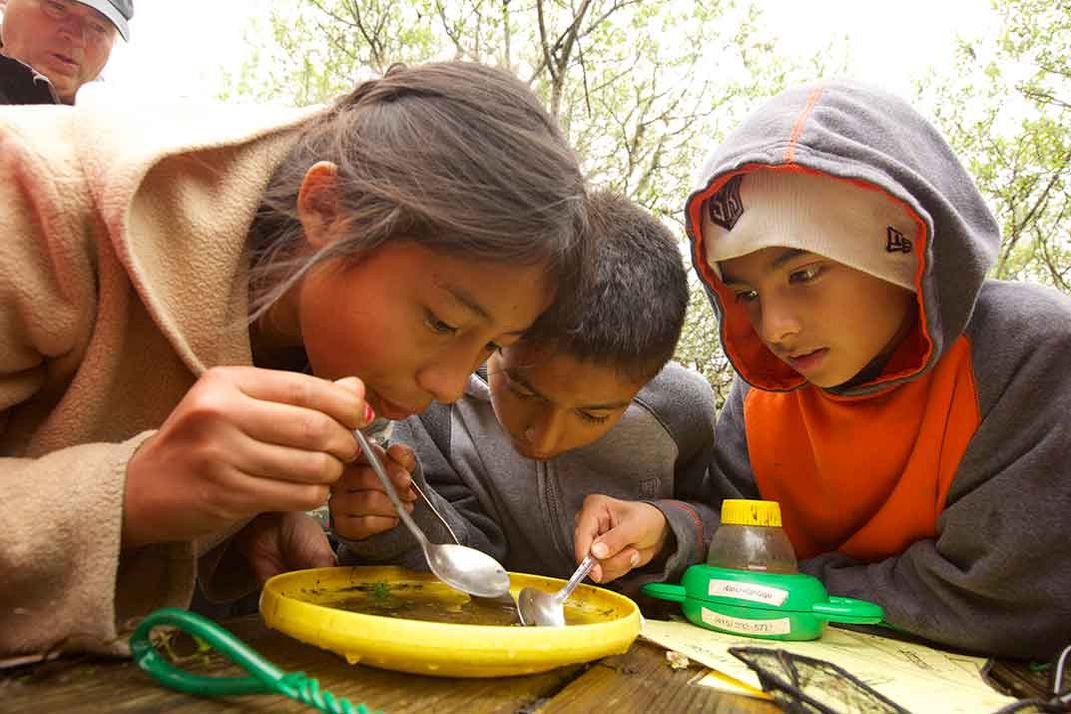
[(751, 538)]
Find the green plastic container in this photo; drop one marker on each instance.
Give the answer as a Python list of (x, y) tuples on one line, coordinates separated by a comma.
[(770, 606)]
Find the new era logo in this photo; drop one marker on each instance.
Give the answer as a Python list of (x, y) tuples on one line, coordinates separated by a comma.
[(725, 207), (895, 241)]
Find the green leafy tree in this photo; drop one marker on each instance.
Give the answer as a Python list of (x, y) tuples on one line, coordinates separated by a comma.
[(642, 89), (314, 50), (1007, 111)]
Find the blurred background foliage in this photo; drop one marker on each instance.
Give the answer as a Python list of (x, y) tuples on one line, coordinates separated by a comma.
[(644, 89)]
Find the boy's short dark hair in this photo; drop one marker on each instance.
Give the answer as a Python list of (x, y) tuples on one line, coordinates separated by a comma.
[(631, 313)]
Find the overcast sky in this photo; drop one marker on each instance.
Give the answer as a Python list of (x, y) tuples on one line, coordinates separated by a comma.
[(180, 47)]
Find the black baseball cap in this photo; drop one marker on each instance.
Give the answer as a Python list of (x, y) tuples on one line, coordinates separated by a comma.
[(118, 11)]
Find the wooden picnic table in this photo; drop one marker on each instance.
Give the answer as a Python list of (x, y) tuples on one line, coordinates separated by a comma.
[(640, 680)]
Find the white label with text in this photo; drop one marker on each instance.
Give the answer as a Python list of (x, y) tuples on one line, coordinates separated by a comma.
[(748, 591), (779, 626)]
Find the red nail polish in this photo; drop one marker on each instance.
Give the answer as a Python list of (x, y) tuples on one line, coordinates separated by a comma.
[(369, 415)]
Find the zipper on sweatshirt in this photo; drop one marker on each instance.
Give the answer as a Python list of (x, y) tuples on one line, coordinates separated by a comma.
[(550, 494)]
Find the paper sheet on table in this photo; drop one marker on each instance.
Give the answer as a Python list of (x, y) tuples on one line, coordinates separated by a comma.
[(920, 679)]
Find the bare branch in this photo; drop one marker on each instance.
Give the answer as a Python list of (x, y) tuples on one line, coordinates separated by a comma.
[(570, 36), (1043, 97), (1051, 69), (455, 37), (333, 39), (602, 18), (1044, 197), (357, 22), (507, 34), (543, 42)]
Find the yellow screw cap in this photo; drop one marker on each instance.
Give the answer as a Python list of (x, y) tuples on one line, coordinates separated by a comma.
[(742, 512)]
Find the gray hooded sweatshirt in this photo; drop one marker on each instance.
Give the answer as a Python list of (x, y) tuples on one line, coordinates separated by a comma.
[(521, 511), (969, 543)]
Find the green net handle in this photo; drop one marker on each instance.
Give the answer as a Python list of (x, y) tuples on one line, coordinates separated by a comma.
[(265, 677)]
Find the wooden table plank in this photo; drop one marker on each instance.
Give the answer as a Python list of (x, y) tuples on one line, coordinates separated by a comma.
[(1017, 679), (642, 682), (118, 685), (638, 682)]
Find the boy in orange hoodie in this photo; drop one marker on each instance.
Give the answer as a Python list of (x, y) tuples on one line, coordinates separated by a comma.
[(909, 414)]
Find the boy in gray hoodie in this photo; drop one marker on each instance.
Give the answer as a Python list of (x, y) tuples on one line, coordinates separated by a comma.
[(580, 418), (909, 414)]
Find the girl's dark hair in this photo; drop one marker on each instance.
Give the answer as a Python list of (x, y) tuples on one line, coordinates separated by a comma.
[(455, 156)]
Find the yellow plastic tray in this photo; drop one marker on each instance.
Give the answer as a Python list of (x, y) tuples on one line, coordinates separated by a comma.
[(290, 604)]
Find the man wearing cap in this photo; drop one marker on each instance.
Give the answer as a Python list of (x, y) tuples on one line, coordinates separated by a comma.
[(50, 48)]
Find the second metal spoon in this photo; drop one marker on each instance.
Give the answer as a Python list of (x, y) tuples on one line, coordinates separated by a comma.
[(537, 607)]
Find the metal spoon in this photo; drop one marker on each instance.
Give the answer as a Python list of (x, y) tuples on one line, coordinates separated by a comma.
[(505, 598), (467, 569), (537, 607)]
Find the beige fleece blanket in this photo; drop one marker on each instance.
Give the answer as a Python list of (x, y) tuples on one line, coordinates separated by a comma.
[(122, 278)]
